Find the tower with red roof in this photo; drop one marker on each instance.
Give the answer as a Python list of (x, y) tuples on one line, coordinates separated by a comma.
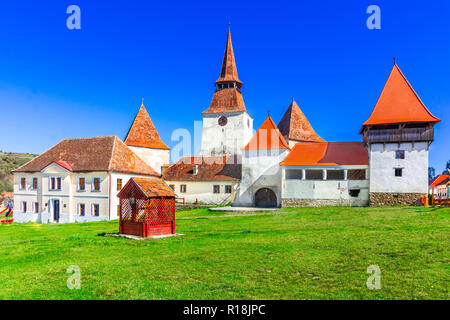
[(398, 135), (144, 140), (227, 127)]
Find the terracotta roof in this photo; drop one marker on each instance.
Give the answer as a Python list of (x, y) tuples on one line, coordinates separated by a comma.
[(445, 182), (91, 154), (294, 126), (327, 154), (436, 181), (153, 187), (220, 168), (267, 137), (143, 133), (226, 100), (64, 164), (228, 73), (399, 103)]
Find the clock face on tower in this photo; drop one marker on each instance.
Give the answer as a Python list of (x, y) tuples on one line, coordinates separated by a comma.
[(223, 121)]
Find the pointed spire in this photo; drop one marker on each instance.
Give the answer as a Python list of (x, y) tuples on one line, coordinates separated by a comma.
[(294, 125), (399, 103), (228, 73), (268, 137), (143, 133)]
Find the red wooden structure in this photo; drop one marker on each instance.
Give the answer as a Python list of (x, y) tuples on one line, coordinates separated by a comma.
[(147, 208)]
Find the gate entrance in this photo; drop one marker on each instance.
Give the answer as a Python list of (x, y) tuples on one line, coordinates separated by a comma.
[(265, 198)]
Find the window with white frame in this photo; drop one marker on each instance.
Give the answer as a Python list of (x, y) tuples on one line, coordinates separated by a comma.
[(81, 184), (96, 184), (95, 209), (81, 209), (34, 184), (55, 183), (24, 206), (36, 207), (227, 189), (23, 183)]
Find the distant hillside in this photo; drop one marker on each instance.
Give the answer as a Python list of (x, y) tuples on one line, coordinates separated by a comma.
[(8, 162)]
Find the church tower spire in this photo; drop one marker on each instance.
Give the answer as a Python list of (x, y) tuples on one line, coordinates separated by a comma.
[(228, 74), (227, 127)]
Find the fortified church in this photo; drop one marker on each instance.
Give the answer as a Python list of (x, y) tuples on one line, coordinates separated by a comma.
[(286, 164)]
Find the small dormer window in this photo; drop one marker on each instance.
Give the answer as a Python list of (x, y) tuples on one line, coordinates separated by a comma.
[(195, 170)]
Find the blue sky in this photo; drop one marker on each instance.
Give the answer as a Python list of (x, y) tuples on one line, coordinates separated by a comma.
[(57, 83)]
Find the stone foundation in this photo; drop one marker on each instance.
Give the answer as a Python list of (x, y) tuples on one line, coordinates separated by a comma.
[(295, 203), (384, 199)]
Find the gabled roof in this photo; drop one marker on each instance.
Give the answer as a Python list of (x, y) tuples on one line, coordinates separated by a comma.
[(91, 154), (267, 137), (143, 133), (399, 103), (327, 154), (154, 187), (445, 182), (294, 126), (228, 73), (436, 181), (226, 101), (218, 168), (63, 164)]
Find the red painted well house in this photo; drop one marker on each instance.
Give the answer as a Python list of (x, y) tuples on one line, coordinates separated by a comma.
[(147, 208)]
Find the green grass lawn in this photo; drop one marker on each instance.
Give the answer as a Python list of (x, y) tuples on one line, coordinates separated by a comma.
[(306, 253)]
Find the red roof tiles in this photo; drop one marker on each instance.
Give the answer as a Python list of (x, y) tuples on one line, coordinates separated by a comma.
[(153, 187), (226, 100), (228, 73), (440, 178), (91, 154), (327, 154), (143, 133), (294, 126), (220, 168), (399, 103), (267, 137)]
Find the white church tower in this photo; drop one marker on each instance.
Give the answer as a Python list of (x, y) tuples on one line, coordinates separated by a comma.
[(227, 127), (398, 135)]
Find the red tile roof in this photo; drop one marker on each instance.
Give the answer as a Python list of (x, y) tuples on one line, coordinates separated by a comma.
[(91, 154), (228, 73), (399, 103), (153, 187), (294, 126), (218, 168), (327, 154), (226, 100), (64, 164), (143, 133), (436, 181), (267, 137)]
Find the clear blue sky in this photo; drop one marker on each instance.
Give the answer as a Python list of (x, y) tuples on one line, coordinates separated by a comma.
[(56, 83)]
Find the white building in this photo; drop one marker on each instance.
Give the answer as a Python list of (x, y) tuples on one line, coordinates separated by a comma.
[(144, 140), (205, 180), (76, 180), (261, 183), (398, 135)]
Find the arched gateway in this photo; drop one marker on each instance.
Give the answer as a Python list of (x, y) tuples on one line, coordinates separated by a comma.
[(265, 198)]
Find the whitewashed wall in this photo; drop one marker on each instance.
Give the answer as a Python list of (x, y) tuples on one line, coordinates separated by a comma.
[(69, 197), (155, 158), (382, 163), (260, 169), (324, 189), (233, 136), (202, 191)]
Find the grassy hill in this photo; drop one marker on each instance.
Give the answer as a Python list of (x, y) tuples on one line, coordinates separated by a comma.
[(304, 253), (8, 162)]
